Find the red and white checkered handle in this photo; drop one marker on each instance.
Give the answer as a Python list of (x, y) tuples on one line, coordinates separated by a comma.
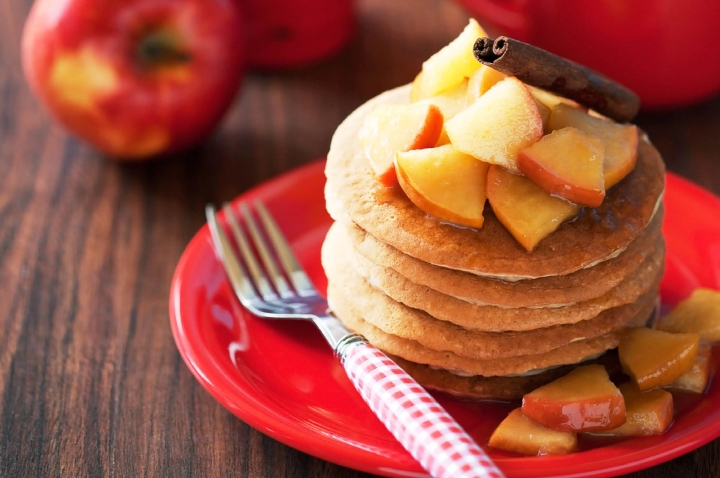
[(413, 416)]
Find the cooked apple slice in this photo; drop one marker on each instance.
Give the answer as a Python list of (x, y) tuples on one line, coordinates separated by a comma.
[(545, 102), (549, 99), (453, 63), (545, 112), (621, 140), (648, 413), (388, 129), (654, 358), (481, 81), (416, 93), (519, 434), (695, 380), (583, 400), (450, 102), (528, 212), (445, 183), (567, 163), (698, 313), (443, 139), (498, 125)]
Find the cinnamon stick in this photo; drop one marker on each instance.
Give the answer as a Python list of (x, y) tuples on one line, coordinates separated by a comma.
[(537, 67)]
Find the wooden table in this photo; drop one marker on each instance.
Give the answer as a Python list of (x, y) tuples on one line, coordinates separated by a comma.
[(91, 383)]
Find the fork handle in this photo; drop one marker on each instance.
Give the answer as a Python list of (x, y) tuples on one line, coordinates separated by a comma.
[(412, 415)]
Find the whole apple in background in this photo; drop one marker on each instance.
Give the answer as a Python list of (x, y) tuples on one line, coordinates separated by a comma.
[(135, 78), (296, 33)]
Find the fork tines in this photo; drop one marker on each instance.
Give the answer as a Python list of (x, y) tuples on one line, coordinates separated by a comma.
[(277, 273)]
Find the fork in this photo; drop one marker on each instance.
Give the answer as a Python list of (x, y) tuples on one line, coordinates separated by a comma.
[(270, 283)]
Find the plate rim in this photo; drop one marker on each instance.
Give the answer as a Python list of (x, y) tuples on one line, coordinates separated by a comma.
[(279, 429)]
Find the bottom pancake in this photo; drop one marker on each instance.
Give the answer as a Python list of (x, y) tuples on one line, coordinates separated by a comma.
[(504, 388), (414, 351)]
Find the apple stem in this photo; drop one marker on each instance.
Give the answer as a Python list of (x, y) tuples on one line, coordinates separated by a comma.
[(160, 48)]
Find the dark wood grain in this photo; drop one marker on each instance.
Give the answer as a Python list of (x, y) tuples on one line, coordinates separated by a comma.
[(91, 383)]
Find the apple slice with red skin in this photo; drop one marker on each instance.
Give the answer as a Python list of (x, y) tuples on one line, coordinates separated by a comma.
[(546, 101), (136, 78), (443, 139), (485, 78), (389, 129), (648, 413), (567, 163), (450, 102), (445, 183), (527, 211), (654, 358), (581, 401), (481, 81), (519, 434), (498, 125), (696, 379), (621, 140)]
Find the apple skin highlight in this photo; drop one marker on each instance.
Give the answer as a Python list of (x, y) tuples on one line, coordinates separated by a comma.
[(135, 78)]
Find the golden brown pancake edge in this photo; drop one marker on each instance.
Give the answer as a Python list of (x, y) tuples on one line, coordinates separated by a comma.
[(490, 318), (388, 215), (347, 289), (580, 286)]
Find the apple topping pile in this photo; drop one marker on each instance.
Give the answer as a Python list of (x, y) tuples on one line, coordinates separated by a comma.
[(470, 133), (675, 357)]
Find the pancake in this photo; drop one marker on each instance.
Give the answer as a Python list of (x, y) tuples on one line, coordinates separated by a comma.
[(580, 286), (505, 388), (347, 289), (489, 318), (497, 319), (387, 214), (414, 351)]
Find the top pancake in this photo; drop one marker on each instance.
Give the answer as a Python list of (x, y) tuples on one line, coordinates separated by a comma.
[(387, 214), (554, 291)]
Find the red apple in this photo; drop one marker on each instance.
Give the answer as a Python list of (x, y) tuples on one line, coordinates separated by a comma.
[(135, 78)]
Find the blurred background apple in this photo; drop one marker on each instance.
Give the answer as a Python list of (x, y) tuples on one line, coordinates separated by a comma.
[(135, 78), (294, 33)]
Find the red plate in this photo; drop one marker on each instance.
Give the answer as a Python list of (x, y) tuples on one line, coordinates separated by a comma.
[(281, 378)]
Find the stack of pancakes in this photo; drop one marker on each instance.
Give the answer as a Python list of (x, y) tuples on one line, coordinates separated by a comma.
[(471, 312)]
